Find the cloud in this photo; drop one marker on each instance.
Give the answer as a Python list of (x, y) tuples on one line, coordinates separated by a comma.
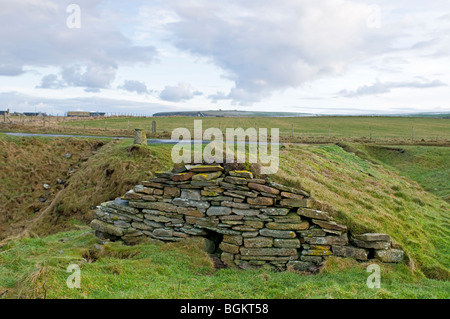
[(50, 81), (386, 87), (134, 86), (35, 34), (181, 92), (265, 46)]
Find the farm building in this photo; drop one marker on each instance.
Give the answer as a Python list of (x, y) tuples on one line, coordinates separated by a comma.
[(84, 114)]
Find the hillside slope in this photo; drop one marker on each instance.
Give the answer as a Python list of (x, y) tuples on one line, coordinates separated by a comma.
[(371, 198)]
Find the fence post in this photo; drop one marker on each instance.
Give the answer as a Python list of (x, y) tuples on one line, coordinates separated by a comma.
[(412, 133), (370, 132), (153, 126)]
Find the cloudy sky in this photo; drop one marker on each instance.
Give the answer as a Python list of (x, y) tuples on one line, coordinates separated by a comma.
[(142, 57)]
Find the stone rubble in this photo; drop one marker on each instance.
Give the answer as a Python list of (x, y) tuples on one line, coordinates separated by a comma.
[(259, 223)]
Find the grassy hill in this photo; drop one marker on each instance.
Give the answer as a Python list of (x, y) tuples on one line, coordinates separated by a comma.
[(365, 194), (323, 126)]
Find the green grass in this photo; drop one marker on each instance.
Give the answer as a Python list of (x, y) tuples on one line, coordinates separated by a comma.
[(372, 198), (364, 194), (358, 127), (153, 270), (428, 166)]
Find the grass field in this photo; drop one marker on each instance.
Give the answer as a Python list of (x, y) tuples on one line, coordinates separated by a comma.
[(36, 268), (362, 187), (356, 127)]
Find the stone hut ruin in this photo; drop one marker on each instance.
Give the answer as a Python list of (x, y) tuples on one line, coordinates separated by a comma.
[(254, 222)]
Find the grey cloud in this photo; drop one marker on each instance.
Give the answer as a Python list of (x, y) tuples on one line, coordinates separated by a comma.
[(34, 33), (134, 86), (11, 70), (265, 46), (386, 87), (51, 81), (181, 92)]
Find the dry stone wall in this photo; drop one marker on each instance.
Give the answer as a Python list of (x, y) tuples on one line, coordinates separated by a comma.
[(257, 222)]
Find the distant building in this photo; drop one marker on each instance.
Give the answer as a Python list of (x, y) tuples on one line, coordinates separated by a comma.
[(38, 114), (85, 114)]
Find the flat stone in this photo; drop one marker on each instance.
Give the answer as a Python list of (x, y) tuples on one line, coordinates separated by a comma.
[(161, 232), (132, 195), (236, 205), (248, 234), (390, 255), (268, 251), (153, 184), (218, 211), (144, 190), (291, 195), (241, 194), (350, 251), (171, 191), (258, 242), (260, 201), (242, 228), (312, 213), (288, 226), (229, 248), (163, 174), (212, 191), (372, 244), (288, 189), (373, 237), (317, 252), (182, 177), (205, 168), (184, 202), (305, 202), (193, 231), (122, 208), (245, 212), (232, 217), (277, 233), (206, 176), (327, 240), (190, 211), (211, 183), (330, 225), (287, 243), (191, 194), (106, 228), (273, 211), (289, 218), (236, 180), (232, 194), (297, 265), (165, 207), (263, 188), (150, 225), (235, 240), (254, 223), (202, 222), (312, 232), (242, 174)]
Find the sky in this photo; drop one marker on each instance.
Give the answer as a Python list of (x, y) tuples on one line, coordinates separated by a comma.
[(304, 56)]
